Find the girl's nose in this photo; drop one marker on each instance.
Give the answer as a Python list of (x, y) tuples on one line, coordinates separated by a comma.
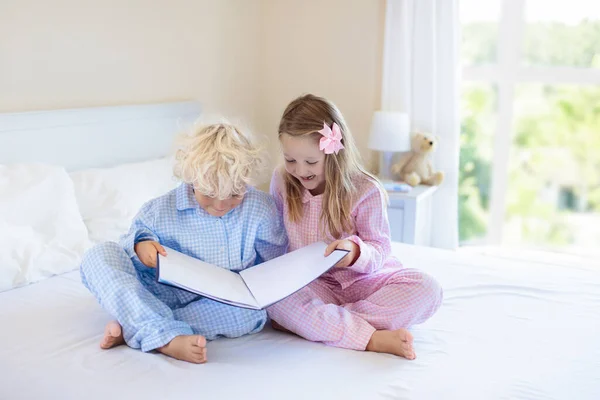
[(301, 170)]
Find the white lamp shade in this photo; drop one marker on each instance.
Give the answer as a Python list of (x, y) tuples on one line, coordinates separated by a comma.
[(390, 131)]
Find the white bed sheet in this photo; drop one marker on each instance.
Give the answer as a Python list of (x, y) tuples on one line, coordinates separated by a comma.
[(506, 330)]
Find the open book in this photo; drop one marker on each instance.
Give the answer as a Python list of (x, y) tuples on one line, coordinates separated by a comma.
[(257, 287)]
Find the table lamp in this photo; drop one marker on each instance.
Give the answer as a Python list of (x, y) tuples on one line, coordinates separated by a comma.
[(390, 132)]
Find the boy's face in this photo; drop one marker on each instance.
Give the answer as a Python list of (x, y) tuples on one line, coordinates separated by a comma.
[(216, 207), (304, 161)]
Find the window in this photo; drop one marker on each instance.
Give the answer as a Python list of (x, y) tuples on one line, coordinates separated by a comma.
[(530, 137)]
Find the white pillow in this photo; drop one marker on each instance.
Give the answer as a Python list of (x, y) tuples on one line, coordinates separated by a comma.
[(109, 198), (41, 230)]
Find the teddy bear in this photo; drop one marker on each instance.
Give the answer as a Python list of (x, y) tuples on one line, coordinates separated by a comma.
[(414, 167)]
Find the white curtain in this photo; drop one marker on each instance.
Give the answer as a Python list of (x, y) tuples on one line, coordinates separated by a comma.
[(421, 78)]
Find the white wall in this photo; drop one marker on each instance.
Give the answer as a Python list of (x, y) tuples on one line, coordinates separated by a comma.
[(241, 58)]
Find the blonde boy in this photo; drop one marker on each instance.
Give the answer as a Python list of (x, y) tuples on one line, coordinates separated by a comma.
[(215, 215)]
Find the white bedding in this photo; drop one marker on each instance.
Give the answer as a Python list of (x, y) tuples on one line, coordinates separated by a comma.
[(506, 330)]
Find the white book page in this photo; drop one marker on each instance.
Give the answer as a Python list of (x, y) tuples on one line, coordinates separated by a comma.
[(275, 279), (202, 278)]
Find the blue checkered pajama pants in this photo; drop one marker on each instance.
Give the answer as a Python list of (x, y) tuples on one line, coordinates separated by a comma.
[(152, 314)]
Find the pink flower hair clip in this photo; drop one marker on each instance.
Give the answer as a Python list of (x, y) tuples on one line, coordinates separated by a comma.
[(331, 142)]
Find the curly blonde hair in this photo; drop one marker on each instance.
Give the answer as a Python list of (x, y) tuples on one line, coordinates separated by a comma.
[(218, 160)]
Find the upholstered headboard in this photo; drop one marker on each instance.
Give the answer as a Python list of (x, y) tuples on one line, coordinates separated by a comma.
[(94, 137)]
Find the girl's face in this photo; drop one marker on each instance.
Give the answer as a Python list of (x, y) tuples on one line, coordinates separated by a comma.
[(216, 207), (304, 161)]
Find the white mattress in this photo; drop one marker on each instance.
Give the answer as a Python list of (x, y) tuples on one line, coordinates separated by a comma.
[(505, 331)]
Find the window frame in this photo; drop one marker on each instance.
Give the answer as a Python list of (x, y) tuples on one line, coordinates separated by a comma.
[(506, 73)]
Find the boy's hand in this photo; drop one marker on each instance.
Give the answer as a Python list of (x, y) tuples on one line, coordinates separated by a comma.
[(147, 252), (345, 244)]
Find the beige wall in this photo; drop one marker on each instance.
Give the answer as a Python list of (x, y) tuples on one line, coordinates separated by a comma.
[(330, 48), (242, 58), (77, 53)]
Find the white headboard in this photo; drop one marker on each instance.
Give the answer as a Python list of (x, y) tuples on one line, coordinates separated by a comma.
[(94, 137)]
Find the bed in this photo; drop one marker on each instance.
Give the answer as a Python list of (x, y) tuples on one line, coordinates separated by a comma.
[(506, 330)]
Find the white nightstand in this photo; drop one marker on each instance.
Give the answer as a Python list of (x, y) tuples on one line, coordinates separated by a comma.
[(410, 215)]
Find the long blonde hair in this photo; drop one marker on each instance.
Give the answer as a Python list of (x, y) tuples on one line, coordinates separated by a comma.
[(304, 116), (218, 160)]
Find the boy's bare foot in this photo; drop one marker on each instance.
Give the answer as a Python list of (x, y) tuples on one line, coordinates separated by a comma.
[(113, 335), (398, 342), (190, 348), (278, 327)]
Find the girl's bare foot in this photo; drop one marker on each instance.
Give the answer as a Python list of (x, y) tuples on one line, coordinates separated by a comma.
[(398, 342), (113, 335), (190, 348), (278, 327)]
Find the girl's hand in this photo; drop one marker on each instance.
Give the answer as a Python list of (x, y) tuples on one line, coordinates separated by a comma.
[(345, 244), (147, 252)]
